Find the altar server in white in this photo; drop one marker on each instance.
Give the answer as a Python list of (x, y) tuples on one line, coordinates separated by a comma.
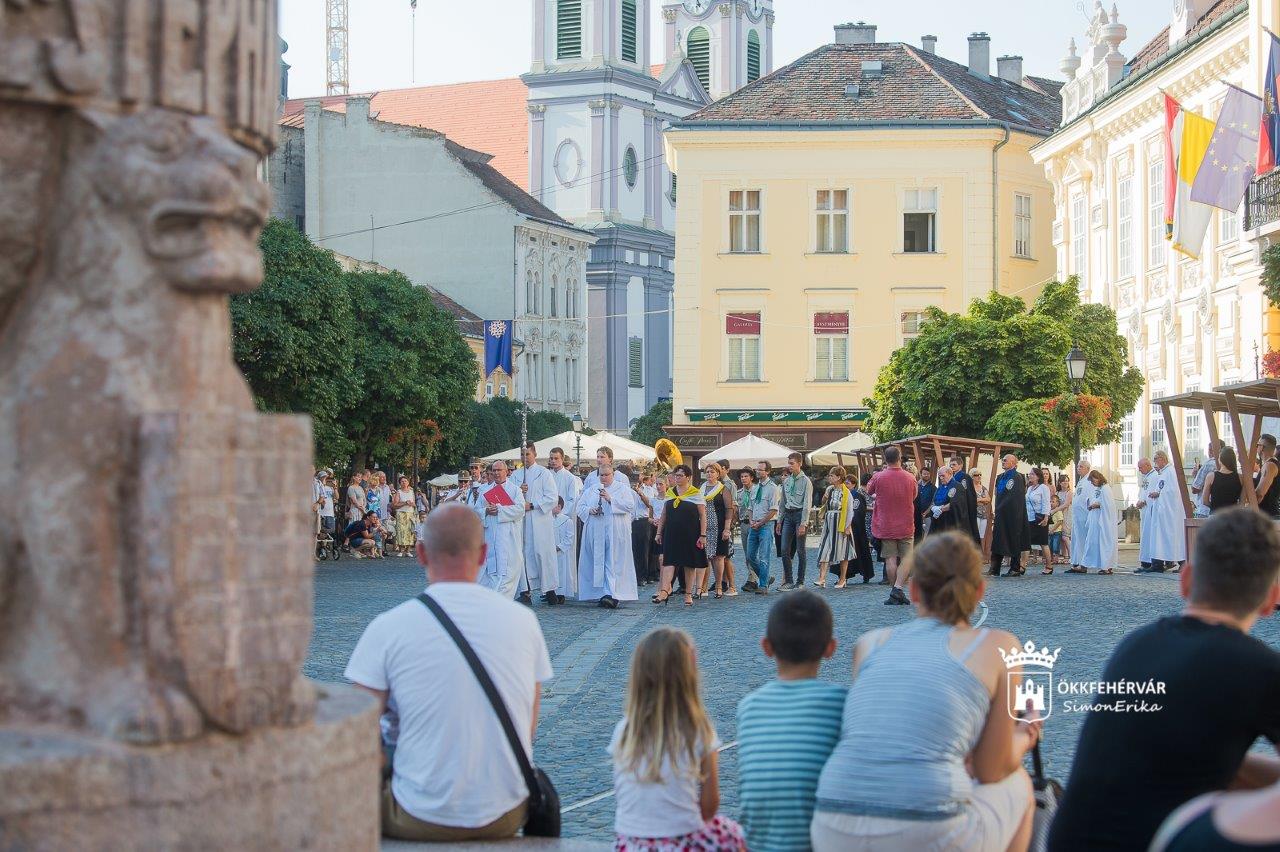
[(569, 487), (1168, 515), (503, 519), (1144, 515), (1099, 544), (540, 497), (606, 570), (1079, 512)]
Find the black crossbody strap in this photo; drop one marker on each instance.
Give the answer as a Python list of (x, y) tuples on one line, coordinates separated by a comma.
[(490, 691)]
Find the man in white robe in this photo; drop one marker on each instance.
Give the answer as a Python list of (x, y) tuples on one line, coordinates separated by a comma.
[(1079, 512), (540, 498), (1144, 516), (503, 533), (1099, 546), (605, 567), (569, 488), (1168, 516)]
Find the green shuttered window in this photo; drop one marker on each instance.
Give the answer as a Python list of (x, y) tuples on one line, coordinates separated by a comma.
[(568, 29)]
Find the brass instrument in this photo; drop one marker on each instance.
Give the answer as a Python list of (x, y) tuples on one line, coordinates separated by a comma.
[(668, 455)]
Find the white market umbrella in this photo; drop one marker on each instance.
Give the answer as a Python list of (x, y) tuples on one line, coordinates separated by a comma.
[(590, 443), (748, 450), (444, 480), (826, 456), (633, 450)]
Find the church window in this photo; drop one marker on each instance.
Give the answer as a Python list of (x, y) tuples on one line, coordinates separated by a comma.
[(630, 167), (568, 29), (1157, 428), (1155, 213), (628, 30), (1126, 441), (1124, 229), (753, 56), (555, 282), (635, 362), (699, 54)]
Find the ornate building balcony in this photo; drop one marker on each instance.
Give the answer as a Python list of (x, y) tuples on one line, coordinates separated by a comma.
[(1262, 201)]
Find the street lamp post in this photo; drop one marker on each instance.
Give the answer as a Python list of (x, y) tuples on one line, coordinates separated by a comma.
[(1076, 366), (578, 426)]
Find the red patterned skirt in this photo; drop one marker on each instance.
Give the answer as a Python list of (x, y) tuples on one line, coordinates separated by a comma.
[(718, 834)]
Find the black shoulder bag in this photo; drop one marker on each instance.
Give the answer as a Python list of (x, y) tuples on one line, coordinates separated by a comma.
[(543, 816)]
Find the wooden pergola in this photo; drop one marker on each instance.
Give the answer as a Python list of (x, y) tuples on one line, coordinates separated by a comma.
[(1257, 399), (929, 452)]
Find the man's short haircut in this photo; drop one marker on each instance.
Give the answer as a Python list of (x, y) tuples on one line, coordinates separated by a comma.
[(608, 452), (749, 472), (800, 627), (452, 531), (795, 457), (530, 445), (555, 451), (767, 467), (957, 460), (1268, 441), (1235, 561), (724, 463), (892, 455), (368, 515)]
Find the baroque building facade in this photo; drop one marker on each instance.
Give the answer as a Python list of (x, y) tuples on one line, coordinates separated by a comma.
[(1192, 323)]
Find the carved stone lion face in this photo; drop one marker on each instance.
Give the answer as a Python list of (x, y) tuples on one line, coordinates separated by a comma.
[(194, 191)]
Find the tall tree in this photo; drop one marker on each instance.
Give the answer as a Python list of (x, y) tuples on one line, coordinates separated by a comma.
[(648, 427), (963, 368), (415, 364), (293, 337)]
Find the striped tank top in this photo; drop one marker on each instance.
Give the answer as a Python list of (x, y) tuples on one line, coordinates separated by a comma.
[(913, 714)]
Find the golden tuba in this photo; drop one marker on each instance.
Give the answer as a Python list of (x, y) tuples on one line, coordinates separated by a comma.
[(668, 454)]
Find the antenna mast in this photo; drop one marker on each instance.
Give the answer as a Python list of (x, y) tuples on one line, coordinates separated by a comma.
[(335, 38)]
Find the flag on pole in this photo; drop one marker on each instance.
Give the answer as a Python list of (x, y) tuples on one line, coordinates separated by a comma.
[(1172, 136), (1231, 159), (1269, 135), (497, 346), (1190, 218)]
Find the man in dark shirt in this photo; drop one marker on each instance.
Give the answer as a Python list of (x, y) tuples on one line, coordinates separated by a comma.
[(360, 535), (1221, 691)]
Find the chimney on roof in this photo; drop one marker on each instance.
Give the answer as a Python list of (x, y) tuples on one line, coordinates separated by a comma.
[(929, 43), (1010, 68), (357, 108), (980, 55), (859, 33)]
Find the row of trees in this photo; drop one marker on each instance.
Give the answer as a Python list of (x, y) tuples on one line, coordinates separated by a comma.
[(998, 371)]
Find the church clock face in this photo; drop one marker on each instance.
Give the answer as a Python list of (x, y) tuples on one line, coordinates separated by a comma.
[(755, 7), (696, 7)]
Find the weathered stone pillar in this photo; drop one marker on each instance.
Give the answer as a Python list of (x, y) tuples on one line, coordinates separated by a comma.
[(153, 615)]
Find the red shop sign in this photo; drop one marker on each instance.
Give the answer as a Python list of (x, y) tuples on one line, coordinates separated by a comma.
[(831, 323), (741, 323)]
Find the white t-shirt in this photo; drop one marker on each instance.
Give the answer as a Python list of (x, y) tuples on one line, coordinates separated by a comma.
[(326, 508), (453, 765), (671, 808)]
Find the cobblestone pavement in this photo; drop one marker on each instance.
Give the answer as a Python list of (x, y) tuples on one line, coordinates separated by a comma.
[(1084, 615)]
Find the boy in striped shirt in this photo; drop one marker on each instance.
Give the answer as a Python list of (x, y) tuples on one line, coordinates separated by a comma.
[(788, 728)]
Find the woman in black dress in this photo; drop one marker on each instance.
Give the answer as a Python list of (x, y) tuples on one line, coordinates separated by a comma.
[(713, 491), (862, 562), (682, 534), (1223, 484)]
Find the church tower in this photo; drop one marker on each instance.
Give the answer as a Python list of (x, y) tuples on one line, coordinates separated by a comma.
[(729, 42)]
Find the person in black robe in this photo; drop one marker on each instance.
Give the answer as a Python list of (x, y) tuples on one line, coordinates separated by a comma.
[(1009, 536), (951, 504), (861, 562), (925, 491), (964, 482)]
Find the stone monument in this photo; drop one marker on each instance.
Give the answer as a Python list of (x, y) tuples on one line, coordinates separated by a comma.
[(155, 585)]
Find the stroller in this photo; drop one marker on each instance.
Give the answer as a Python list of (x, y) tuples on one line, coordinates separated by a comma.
[(326, 545)]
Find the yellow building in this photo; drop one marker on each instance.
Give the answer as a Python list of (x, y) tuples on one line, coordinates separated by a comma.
[(825, 206)]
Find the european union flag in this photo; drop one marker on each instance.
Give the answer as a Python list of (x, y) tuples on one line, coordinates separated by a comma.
[(497, 346)]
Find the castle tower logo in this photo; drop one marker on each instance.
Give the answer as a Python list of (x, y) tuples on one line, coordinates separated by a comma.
[(1033, 672)]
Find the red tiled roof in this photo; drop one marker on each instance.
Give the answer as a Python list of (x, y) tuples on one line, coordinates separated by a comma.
[(488, 115), (1154, 51), (912, 86)]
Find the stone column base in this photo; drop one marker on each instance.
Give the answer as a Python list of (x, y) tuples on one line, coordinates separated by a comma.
[(310, 787)]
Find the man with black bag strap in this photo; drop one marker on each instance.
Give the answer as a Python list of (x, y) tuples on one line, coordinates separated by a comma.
[(461, 723)]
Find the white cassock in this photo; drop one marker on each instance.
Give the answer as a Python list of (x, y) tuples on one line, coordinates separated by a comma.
[(1145, 513), (539, 529), (1079, 518), (1168, 516), (504, 534), (606, 565), (1099, 549), (566, 523)]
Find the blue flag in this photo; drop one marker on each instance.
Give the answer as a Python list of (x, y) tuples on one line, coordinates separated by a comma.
[(497, 346), (1232, 159)]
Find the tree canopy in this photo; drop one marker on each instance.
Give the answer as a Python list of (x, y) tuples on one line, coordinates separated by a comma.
[(648, 427), (991, 372)]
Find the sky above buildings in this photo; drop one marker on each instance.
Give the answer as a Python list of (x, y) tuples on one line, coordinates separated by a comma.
[(458, 40)]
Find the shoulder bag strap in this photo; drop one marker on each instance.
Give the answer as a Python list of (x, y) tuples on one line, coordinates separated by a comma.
[(490, 691)]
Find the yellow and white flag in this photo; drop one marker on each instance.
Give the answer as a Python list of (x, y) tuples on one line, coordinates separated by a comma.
[(1190, 218)]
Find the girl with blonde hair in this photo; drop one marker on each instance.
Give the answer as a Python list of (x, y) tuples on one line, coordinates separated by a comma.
[(666, 778)]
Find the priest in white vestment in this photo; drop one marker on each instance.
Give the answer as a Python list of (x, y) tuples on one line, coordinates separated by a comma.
[(540, 497), (1099, 545), (503, 532), (606, 570), (1079, 512), (1168, 515), (569, 487), (1144, 515)]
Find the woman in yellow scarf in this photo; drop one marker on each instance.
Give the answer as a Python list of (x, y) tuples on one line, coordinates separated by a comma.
[(682, 534), (837, 529)]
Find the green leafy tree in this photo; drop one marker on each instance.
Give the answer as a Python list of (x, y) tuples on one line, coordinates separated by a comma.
[(293, 337), (489, 433), (648, 427), (544, 424), (964, 368), (1271, 274), (416, 367), (1026, 422)]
